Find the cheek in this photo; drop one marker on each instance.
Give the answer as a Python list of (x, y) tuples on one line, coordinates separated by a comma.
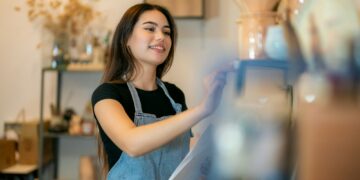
[(168, 43), (137, 38), (137, 43)]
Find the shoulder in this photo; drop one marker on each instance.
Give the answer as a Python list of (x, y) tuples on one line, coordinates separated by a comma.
[(110, 88), (173, 89), (109, 91)]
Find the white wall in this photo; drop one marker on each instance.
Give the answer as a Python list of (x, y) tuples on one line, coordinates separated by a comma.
[(21, 61), (20, 64)]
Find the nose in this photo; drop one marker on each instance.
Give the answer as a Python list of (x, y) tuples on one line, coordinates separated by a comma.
[(160, 36)]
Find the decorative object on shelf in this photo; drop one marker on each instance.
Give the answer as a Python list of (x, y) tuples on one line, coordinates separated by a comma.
[(94, 56), (252, 34), (88, 120), (275, 43), (59, 52), (66, 21), (88, 127), (59, 123), (75, 125), (255, 18)]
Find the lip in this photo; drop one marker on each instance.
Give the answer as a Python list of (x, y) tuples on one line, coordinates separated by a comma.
[(158, 48)]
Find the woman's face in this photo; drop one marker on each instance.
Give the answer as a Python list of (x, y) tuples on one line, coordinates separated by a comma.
[(150, 40)]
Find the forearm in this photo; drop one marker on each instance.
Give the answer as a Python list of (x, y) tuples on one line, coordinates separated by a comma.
[(146, 138)]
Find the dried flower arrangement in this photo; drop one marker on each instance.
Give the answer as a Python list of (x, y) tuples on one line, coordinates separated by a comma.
[(70, 17)]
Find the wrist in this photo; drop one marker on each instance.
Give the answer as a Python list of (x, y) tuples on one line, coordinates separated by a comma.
[(203, 110)]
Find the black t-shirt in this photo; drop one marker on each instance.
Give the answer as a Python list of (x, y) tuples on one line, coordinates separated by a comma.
[(153, 102)]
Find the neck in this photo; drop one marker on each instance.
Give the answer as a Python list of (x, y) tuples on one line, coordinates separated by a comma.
[(145, 79)]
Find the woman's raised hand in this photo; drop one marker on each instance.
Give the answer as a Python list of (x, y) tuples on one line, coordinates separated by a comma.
[(214, 85)]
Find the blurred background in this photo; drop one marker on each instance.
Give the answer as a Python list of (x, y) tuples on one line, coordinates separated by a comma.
[(293, 98)]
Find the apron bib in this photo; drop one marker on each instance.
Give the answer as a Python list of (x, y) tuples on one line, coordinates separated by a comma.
[(158, 164)]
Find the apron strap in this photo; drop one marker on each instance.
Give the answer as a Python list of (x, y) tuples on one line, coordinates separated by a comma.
[(176, 106), (135, 97)]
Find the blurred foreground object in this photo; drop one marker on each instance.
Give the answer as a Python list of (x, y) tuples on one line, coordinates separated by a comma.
[(335, 26), (328, 144), (325, 42), (197, 163), (252, 138)]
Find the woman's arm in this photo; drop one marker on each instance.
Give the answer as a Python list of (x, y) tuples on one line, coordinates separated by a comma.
[(140, 140)]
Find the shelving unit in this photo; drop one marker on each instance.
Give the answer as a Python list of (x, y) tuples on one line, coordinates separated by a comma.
[(55, 136), (244, 64)]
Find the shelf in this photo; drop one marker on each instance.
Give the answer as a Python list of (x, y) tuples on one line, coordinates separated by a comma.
[(72, 70), (56, 137), (245, 64), (20, 169), (66, 135)]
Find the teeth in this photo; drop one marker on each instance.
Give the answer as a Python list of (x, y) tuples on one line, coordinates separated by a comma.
[(157, 47)]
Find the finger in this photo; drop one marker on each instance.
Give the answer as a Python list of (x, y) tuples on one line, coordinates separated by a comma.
[(228, 67), (221, 76), (216, 86)]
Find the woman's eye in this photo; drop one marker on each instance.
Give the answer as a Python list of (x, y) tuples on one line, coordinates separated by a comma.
[(168, 33), (151, 29)]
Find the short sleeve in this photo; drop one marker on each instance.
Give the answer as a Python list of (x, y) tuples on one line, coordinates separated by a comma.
[(104, 91)]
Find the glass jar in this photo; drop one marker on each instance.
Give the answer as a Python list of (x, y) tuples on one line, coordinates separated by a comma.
[(252, 28), (59, 52)]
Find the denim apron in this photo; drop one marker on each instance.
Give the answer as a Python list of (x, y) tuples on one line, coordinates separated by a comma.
[(158, 164)]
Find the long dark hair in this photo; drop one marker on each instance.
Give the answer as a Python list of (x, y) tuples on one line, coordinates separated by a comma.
[(120, 66)]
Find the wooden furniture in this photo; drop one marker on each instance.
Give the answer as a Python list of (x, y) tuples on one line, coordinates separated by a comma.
[(19, 171)]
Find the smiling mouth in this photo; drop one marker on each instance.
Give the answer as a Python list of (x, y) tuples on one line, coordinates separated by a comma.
[(158, 48)]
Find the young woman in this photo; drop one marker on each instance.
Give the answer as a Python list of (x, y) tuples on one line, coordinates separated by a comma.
[(143, 122)]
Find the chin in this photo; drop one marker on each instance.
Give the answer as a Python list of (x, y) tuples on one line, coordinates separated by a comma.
[(158, 60), (154, 62)]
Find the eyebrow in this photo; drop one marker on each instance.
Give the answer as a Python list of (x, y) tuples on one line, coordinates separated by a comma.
[(155, 24)]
